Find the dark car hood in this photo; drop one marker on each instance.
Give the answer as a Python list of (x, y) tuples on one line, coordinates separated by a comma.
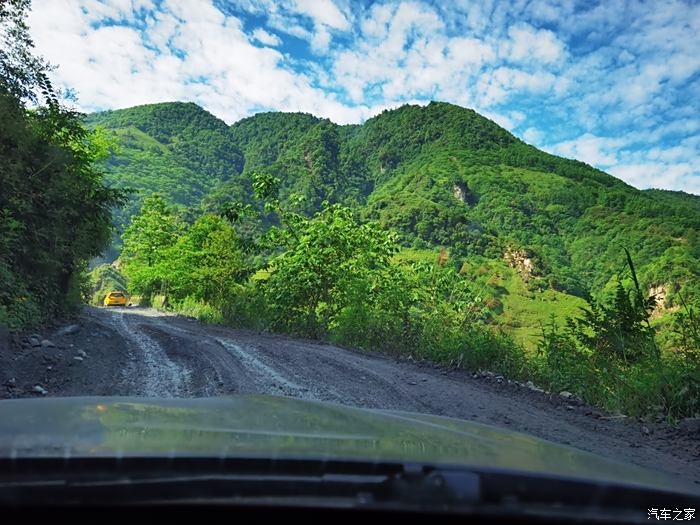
[(283, 427)]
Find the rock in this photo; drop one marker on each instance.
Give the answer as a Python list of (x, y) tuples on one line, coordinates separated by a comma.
[(35, 341), (49, 368), (645, 430), (11, 382), (690, 425), (532, 387), (40, 390), (565, 394), (82, 353), (570, 407), (47, 344), (68, 330), (78, 358)]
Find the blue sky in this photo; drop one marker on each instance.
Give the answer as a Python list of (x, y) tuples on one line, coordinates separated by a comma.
[(613, 83)]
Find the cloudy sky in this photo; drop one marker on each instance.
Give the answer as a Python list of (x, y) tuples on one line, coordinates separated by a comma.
[(613, 83)]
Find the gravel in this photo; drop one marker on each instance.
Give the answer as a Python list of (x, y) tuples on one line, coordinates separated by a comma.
[(143, 352)]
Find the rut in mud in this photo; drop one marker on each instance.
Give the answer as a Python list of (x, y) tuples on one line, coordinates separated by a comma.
[(143, 352)]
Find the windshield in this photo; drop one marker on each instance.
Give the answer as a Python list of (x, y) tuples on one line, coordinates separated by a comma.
[(407, 232)]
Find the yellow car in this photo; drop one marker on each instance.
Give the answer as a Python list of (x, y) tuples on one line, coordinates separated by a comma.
[(115, 299)]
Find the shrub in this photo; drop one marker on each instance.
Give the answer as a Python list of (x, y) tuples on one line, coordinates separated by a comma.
[(199, 310)]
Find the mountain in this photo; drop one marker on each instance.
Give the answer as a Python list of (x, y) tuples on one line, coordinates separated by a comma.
[(441, 175), (176, 149)]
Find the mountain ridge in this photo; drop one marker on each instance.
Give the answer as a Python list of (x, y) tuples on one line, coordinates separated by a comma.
[(441, 175)]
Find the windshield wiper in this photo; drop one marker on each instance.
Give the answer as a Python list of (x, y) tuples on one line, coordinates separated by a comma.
[(322, 483)]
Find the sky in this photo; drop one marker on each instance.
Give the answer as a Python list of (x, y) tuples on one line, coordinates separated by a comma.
[(615, 84)]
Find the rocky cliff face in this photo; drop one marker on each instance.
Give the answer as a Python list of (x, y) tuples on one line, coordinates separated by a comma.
[(659, 291), (459, 193), (522, 261)]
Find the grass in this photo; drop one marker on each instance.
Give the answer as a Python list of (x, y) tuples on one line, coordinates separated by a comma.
[(411, 255), (524, 310)]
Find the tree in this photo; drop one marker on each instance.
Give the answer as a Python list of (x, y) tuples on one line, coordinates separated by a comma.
[(207, 262), (146, 245), (21, 72), (55, 212), (329, 257)]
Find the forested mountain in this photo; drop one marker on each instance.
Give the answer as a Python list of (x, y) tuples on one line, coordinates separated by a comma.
[(427, 231), (176, 149), (441, 175)]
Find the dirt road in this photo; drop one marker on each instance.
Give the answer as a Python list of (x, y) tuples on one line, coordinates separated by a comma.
[(143, 352)]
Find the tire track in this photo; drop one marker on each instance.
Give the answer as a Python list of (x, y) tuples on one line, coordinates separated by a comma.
[(236, 361), (162, 377)]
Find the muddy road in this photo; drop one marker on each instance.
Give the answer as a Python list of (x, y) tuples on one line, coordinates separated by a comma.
[(143, 352)]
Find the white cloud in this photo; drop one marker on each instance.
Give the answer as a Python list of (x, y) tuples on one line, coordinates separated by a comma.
[(597, 151), (681, 176), (323, 12), (321, 40), (532, 136), (621, 77), (529, 44), (201, 55), (266, 38)]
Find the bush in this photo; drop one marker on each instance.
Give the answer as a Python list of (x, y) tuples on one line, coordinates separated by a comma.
[(199, 310), (667, 385)]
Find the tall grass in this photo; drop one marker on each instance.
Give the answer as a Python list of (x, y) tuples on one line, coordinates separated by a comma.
[(578, 358)]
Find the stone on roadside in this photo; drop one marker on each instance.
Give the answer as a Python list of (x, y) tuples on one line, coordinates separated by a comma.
[(46, 343), (82, 353), (532, 387), (35, 341), (68, 330), (78, 358), (565, 394), (40, 390)]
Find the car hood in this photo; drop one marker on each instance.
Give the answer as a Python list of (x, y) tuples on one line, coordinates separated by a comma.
[(267, 426)]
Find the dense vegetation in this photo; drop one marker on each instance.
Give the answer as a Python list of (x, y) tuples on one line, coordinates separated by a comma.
[(440, 175), (176, 149), (333, 276), (55, 213), (427, 231)]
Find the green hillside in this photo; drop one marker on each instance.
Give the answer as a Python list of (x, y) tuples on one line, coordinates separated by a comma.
[(440, 175), (176, 149), (426, 231)]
